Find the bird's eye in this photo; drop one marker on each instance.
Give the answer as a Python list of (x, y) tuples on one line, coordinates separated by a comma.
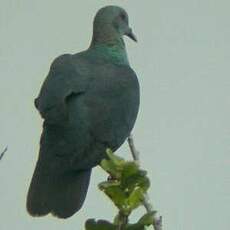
[(123, 16)]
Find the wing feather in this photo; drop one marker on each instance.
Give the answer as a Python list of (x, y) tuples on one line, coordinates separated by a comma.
[(62, 81)]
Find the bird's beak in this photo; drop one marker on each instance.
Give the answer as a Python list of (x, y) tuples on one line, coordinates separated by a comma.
[(131, 35)]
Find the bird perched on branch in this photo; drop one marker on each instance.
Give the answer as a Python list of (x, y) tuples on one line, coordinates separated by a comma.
[(89, 102)]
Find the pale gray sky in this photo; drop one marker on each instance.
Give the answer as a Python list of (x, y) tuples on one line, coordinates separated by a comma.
[(183, 130)]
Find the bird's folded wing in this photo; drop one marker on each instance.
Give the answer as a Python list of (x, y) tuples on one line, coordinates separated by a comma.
[(62, 81)]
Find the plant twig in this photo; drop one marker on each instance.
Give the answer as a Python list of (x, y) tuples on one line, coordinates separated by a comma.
[(157, 223), (2, 154), (123, 220)]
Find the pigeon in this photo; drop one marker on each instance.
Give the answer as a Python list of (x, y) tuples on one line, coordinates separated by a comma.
[(89, 102)]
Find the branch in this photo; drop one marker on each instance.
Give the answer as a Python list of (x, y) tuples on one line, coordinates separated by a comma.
[(2, 154), (157, 223), (123, 220), (126, 187)]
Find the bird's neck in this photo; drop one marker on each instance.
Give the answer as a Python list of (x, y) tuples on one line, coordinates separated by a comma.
[(112, 50)]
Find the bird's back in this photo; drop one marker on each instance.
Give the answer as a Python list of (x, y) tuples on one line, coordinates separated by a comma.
[(110, 103), (104, 115)]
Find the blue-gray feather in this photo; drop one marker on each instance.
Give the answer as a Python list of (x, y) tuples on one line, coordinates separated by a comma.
[(89, 102)]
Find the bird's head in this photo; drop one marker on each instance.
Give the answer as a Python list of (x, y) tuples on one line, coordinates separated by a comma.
[(111, 23)]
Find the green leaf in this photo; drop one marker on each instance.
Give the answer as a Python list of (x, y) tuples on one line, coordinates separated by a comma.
[(113, 165), (136, 180), (107, 184), (147, 219), (126, 189), (117, 195), (129, 168), (115, 159), (136, 197), (92, 224), (111, 168), (135, 227)]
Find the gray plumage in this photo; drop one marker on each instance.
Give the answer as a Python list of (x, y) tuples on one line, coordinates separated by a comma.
[(89, 102)]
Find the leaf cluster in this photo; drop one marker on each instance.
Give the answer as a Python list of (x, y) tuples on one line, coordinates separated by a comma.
[(126, 187)]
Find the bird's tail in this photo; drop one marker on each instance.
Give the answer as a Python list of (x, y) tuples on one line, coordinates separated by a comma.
[(59, 194)]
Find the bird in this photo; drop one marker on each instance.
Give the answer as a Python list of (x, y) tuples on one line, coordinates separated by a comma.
[(89, 102)]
